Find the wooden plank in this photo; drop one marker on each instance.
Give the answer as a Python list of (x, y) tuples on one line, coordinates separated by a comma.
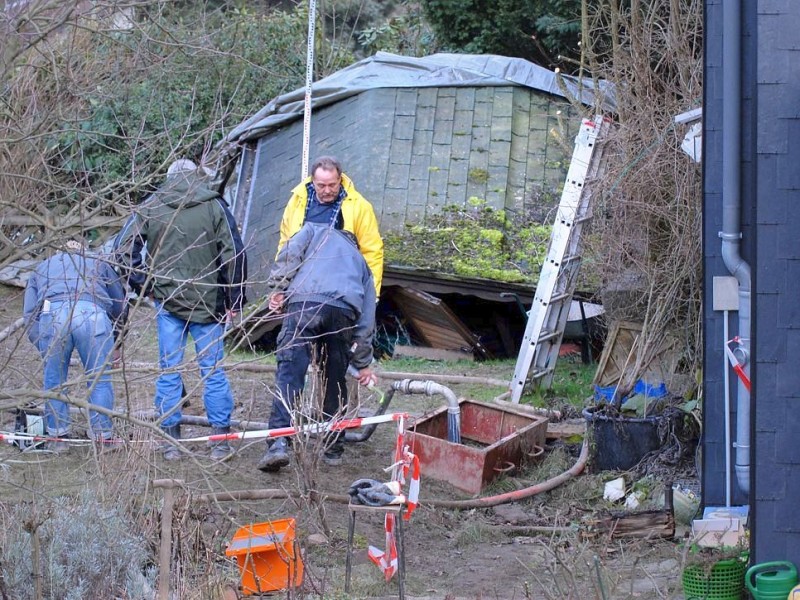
[(565, 429), (435, 322), (648, 525), (616, 353)]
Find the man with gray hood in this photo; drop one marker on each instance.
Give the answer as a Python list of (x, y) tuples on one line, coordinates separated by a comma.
[(324, 285), (194, 269)]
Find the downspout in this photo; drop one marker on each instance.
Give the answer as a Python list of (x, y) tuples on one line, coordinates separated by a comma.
[(731, 217)]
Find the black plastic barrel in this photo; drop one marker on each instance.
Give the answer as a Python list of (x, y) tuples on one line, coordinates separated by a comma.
[(619, 443)]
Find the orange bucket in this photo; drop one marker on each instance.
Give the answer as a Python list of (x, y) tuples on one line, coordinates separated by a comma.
[(268, 556)]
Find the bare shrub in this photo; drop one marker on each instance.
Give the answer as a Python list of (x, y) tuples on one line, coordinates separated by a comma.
[(647, 226)]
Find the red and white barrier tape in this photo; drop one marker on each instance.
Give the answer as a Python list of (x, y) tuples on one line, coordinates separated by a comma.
[(386, 561), (406, 464), (737, 367), (337, 425)]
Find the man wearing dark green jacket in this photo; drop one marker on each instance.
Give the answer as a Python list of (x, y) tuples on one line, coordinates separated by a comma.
[(182, 248)]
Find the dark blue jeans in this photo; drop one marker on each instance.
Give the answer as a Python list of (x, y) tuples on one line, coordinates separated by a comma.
[(325, 330)]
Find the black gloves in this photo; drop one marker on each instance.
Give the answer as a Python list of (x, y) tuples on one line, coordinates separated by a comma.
[(374, 493)]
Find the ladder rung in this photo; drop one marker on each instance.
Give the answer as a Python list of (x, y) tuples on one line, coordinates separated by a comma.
[(564, 264), (549, 335), (559, 298), (541, 373)]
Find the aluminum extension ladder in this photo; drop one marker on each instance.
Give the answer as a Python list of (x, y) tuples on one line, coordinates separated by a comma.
[(548, 314)]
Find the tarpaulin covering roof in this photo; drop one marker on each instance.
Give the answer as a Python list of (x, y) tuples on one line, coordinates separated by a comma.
[(385, 70)]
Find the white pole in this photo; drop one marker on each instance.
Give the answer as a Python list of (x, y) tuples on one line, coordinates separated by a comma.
[(312, 13), (727, 384)]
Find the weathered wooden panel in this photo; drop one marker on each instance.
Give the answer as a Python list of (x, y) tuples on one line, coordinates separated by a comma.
[(435, 322)]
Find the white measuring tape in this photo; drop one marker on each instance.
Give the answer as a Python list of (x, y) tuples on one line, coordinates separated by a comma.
[(312, 18)]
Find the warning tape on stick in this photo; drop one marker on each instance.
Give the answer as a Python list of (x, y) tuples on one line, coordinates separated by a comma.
[(327, 426)]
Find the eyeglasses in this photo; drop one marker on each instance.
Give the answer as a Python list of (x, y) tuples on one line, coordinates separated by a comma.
[(327, 186)]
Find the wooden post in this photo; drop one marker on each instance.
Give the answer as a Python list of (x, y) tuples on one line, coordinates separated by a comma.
[(165, 551)]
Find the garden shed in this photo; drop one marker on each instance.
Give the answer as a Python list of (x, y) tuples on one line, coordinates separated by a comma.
[(415, 135)]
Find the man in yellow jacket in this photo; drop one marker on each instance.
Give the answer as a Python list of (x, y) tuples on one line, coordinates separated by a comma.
[(330, 197)]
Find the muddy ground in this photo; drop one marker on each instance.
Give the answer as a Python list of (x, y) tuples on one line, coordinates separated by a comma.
[(537, 548)]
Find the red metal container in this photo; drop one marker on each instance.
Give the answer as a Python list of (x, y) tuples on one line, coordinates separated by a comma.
[(494, 440)]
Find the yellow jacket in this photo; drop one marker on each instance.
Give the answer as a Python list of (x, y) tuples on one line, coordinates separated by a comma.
[(359, 218)]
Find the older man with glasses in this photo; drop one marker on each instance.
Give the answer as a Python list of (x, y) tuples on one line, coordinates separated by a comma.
[(329, 197)]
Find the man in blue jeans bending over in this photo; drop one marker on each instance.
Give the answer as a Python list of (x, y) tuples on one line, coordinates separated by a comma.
[(325, 286), (195, 269), (74, 300)]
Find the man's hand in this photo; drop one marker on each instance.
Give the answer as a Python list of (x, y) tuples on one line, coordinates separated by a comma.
[(366, 377), (276, 301), (116, 358)]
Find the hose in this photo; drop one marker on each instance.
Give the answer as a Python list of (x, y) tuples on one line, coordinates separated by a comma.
[(485, 502), (430, 388), (364, 433)]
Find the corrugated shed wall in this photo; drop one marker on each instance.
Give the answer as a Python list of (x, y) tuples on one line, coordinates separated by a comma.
[(413, 151)]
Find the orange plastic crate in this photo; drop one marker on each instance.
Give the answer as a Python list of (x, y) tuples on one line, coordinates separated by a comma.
[(268, 556)]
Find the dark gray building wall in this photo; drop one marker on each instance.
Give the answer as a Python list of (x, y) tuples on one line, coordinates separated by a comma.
[(713, 447), (771, 244)]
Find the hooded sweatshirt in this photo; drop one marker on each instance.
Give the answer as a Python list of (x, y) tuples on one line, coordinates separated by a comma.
[(195, 261)]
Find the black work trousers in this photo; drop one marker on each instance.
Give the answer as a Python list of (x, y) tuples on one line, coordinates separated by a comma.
[(325, 330)]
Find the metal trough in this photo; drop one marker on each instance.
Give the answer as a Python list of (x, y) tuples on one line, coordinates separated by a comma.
[(494, 440)]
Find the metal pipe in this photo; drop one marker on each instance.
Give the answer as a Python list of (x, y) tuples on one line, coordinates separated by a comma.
[(731, 218), (254, 367), (430, 388), (165, 549), (726, 381)]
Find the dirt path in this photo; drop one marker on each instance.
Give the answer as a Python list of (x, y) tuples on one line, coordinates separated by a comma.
[(470, 554)]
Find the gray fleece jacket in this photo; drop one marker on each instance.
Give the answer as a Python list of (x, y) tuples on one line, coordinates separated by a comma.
[(69, 277), (321, 264)]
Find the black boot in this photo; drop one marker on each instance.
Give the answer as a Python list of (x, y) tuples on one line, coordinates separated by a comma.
[(276, 457), (222, 449), (170, 450), (333, 453)]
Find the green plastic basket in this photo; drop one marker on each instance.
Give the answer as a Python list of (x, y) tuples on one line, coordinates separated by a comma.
[(724, 581)]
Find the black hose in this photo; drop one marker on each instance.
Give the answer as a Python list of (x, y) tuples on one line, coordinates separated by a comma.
[(362, 435)]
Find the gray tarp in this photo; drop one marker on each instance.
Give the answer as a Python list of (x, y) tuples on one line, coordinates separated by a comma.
[(384, 70)]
